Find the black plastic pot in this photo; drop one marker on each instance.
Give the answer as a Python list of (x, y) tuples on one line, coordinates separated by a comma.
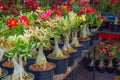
[(61, 64), (85, 44), (47, 52), (86, 61), (71, 58), (43, 74), (95, 36), (106, 62), (90, 68), (117, 71), (9, 69), (91, 40), (30, 61), (78, 52), (32, 77), (115, 28), (101, 69), (5, 74), (109, 69)]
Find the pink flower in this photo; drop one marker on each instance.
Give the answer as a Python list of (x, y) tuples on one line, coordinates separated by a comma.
[(100, 51), (104, 50), (43, 16), (102, 43), (1, 5), (111, 54), (83, 10), (48, 13)]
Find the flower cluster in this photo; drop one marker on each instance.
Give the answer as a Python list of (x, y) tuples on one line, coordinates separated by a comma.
[(87, 10), (61, 10), (46, 14), (13, 22), (110, 49)]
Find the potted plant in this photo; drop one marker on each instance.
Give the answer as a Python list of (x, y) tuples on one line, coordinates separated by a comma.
[(89, 16), (101, 52), (3, 72), (11, 26), (77, 23), (115, 11), (2, 49), (111, 56), (42, 69), (68, 22), (57, 56), (18, 49), (103, 7), (95, 27)]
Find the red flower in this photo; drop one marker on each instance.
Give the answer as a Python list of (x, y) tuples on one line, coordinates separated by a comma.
[(111, 54), (24, 20), (90, 10), (12, 22), (68, 8)]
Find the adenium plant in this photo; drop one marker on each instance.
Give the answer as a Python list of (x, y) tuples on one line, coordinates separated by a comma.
[(18, 49)]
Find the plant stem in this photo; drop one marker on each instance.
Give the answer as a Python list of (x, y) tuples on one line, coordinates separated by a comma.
[(18, 68), (95, 30), (83, 31), (67, 46), (57, 51), (0, 71), (110, 63), (101, 63), (92, 62), (75, 41), (2, 50), (116, 20), (41, 59)]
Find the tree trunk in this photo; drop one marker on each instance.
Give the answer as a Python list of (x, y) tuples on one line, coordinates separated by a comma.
[(57, 51), (92, 62), (0, 71), (67, 46), (2, 50), (18, 68), (75, 41), (116, 20), (41, 59), (101, 63), (110, 64), (83, 31)]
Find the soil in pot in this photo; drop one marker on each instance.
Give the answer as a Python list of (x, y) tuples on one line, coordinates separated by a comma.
[(8, 65), (28, 76), (43, 72), (3, 73)]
